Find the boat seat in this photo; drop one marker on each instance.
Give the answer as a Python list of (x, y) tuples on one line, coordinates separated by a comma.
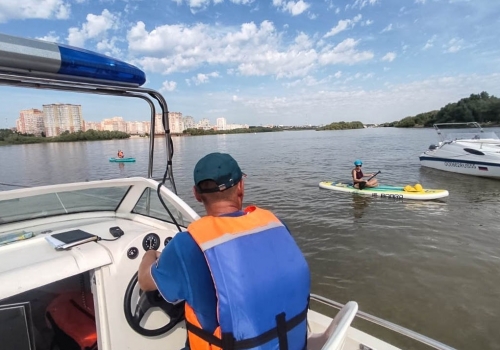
[(333, 337)]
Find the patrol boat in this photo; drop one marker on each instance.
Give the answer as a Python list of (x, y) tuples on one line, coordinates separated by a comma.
[(70, 252)]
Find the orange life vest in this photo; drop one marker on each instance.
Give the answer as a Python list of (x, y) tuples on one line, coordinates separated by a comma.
[(69, 317)]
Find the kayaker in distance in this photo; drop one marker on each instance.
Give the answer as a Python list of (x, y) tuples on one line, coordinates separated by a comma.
[(120, 153), (357, 177)]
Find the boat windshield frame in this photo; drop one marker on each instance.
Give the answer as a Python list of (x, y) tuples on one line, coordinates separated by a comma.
[(471, 131), (62, 202)]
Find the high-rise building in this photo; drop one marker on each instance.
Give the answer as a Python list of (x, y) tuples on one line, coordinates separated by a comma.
[(30, 122), (204, 124), (189, 122), (138, 128), (221, 123), (175, 123), (58, 118), (159, 129), (93, 126), (114, 124)]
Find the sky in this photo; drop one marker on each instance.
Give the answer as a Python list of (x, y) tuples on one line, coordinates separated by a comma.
[(280, 62)]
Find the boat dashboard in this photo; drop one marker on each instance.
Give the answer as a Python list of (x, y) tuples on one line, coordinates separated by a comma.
[(36, 271)]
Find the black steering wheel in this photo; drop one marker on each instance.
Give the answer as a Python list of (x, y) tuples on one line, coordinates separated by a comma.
[(146, 301)]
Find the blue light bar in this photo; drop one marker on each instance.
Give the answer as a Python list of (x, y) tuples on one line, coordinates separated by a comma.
[(62, 62)]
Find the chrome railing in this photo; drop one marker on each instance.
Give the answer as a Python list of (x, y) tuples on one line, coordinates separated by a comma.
[(386, 324)]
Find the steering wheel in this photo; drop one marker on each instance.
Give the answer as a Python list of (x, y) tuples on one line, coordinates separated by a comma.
[(148, 300)]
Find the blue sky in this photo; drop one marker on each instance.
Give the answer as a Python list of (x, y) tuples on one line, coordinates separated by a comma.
[(274, 61)]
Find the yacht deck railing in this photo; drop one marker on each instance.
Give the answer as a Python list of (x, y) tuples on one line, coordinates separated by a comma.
[(386, 324)]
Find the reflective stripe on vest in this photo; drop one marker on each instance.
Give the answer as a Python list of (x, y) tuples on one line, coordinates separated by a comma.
[(253, 261)]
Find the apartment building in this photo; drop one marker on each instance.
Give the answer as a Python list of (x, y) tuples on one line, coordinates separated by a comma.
[(221, 124), (114, 124), (175, 121), (58, 118), (30, 122), (93, 126), (204, 124), (138, 128), (189, 122)]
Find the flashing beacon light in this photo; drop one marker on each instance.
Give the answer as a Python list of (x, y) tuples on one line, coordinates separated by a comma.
[(63, 62)]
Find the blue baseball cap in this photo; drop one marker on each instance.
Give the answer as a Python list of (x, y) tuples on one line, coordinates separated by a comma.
[(358, 162), (220, 168)]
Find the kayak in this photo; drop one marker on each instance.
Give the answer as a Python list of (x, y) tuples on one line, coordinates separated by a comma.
[(393, 192), (121, 160)]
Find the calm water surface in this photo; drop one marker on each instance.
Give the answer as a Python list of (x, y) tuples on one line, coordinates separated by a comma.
[(433, 267)]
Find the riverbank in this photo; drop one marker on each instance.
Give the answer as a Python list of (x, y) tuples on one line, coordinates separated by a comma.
[(9, 137)]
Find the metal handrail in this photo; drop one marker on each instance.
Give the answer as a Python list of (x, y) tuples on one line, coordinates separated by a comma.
[(386, 324)]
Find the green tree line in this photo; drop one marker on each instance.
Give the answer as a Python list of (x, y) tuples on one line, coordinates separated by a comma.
[(342, 126), (10, 137), (482, 108), (251, 129)]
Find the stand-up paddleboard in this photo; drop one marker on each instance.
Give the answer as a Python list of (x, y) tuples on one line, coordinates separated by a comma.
[(386, 191), (122, 160)]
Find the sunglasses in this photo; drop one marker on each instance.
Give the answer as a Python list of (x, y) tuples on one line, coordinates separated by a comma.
[(359, 166)]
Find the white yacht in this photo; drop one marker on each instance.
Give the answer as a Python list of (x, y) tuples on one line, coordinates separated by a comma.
[(466, 149), (84, 295)]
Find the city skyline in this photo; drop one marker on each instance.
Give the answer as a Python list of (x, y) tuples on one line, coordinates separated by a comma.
[(57, 118), (279, 62)]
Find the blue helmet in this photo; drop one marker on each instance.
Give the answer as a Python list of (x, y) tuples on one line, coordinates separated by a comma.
[(358, 162)]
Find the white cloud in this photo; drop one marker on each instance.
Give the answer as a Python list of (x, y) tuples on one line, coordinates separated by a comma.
[(201, 78), (342, 25), (454, 45), (388, 103), (293, 7), (389, 57), (387, 29), (429, 43), (51, 37), (368, 22), (109, 47), (420, 1), (168, 86), (359, 4), (95, 28), (251, 50), (14, 9), (344, 53)]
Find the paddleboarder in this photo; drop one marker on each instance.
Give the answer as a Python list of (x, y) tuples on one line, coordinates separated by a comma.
[(357, 177)]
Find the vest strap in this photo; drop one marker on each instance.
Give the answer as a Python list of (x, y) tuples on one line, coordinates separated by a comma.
[(281, 329), (276, 332)]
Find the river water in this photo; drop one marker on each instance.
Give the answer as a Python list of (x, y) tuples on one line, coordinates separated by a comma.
[(433, 267)]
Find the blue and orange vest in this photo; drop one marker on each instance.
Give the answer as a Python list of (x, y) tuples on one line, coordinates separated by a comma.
[(262, 282)]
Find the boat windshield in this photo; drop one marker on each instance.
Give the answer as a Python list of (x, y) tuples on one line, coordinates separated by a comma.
[(468, 135), (59, 203)]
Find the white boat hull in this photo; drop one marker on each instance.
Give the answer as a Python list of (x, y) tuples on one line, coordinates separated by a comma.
[(461, 166)]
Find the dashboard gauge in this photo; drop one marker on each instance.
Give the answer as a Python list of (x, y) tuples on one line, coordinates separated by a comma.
[(132, 253), (151, 242), (168, 239)]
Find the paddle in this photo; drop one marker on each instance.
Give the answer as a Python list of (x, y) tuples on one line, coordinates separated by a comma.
[(378, 172), (362, 185)]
